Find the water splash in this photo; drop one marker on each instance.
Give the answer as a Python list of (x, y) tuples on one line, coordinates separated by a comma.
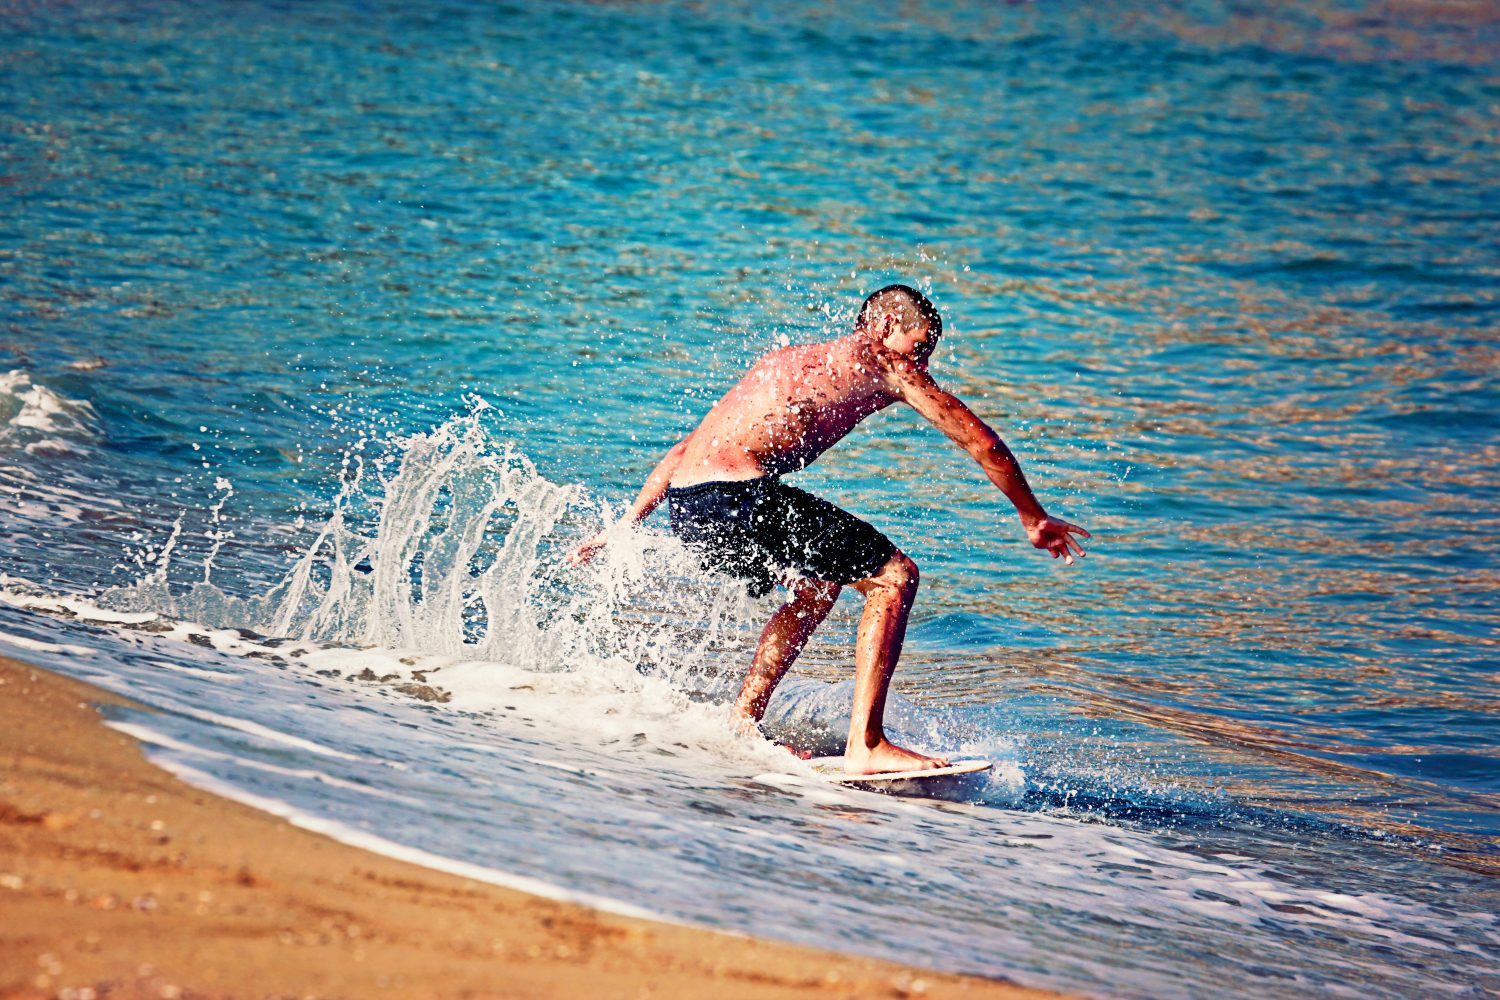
[(453, 545)]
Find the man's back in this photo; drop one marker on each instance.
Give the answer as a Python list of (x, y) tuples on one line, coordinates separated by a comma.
[(789, 408)]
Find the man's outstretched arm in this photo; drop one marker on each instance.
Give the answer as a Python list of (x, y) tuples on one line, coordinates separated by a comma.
[(948, 414), (650, 497)]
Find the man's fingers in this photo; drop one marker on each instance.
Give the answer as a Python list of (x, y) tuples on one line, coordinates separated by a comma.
[(1065, 548), (583, 552), (1054, 536)]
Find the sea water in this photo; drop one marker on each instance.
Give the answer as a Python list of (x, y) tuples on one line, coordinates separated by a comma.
[(329, 327)]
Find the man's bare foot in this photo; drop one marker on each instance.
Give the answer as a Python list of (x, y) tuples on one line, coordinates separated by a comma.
[(885, 756), (748, 725), (745, 724)]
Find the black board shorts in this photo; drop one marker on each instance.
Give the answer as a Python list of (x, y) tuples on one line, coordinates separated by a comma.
[(759, 529)]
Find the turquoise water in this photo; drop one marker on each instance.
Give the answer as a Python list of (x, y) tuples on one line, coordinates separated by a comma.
[(1224, 277)]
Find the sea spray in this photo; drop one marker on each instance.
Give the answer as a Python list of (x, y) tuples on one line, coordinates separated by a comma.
[(454, 545)]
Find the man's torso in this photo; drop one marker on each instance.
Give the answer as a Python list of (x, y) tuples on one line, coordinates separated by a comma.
[(792, 406)]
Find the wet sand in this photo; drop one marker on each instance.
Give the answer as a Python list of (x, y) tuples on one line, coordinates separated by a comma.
[(119, 880)]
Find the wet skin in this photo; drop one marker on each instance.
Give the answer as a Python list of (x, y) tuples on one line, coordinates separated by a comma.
[(789, 408)]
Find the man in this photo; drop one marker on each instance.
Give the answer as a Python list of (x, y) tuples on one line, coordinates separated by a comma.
[(727, 502)]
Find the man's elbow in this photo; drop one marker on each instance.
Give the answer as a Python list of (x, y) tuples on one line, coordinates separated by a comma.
[(986, 447)]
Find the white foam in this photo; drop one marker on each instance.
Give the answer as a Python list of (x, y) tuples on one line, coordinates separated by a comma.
[(266, 734), (806, 786), (154, 737), (209, 675), (605, 702), (19, 593), (45, 422), (363, 839), (582, 772), (38, 646)]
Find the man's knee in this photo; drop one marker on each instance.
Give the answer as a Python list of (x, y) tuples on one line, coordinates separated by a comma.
[(904, 570), (899, 573), (810, 593)]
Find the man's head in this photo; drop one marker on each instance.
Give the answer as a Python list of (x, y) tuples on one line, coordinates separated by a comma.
[(903, 320)]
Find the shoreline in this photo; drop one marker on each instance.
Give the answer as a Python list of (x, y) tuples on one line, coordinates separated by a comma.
[(119, 879)]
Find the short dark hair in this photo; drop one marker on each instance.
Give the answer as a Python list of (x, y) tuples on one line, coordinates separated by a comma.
[(922, 303)]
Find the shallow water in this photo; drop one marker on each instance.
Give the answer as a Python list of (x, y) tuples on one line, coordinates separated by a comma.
[(362, 312)]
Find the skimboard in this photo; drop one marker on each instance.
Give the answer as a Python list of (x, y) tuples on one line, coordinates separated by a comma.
[(832, 769)]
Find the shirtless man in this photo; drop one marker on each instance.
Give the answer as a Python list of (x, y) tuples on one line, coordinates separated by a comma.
[(727, 502)]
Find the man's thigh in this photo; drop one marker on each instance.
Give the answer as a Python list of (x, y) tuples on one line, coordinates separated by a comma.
[(817, 538)]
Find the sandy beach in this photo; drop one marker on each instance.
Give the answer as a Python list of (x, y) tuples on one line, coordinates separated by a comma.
[(119, 880)]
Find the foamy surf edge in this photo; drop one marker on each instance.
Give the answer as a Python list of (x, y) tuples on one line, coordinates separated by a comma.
[(365, 841)]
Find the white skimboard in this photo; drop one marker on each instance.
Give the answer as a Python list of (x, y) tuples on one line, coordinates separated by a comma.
[(832, 769)]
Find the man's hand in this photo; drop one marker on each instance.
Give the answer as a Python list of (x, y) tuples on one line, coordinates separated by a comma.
[(1056, 536), (585, 550)]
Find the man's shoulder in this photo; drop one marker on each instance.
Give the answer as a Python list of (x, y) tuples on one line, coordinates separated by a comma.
[(896, 368), (847, 354), (777, 355), (866, 352)]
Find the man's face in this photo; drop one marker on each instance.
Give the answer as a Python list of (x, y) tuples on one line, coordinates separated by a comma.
[(910, 336)]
